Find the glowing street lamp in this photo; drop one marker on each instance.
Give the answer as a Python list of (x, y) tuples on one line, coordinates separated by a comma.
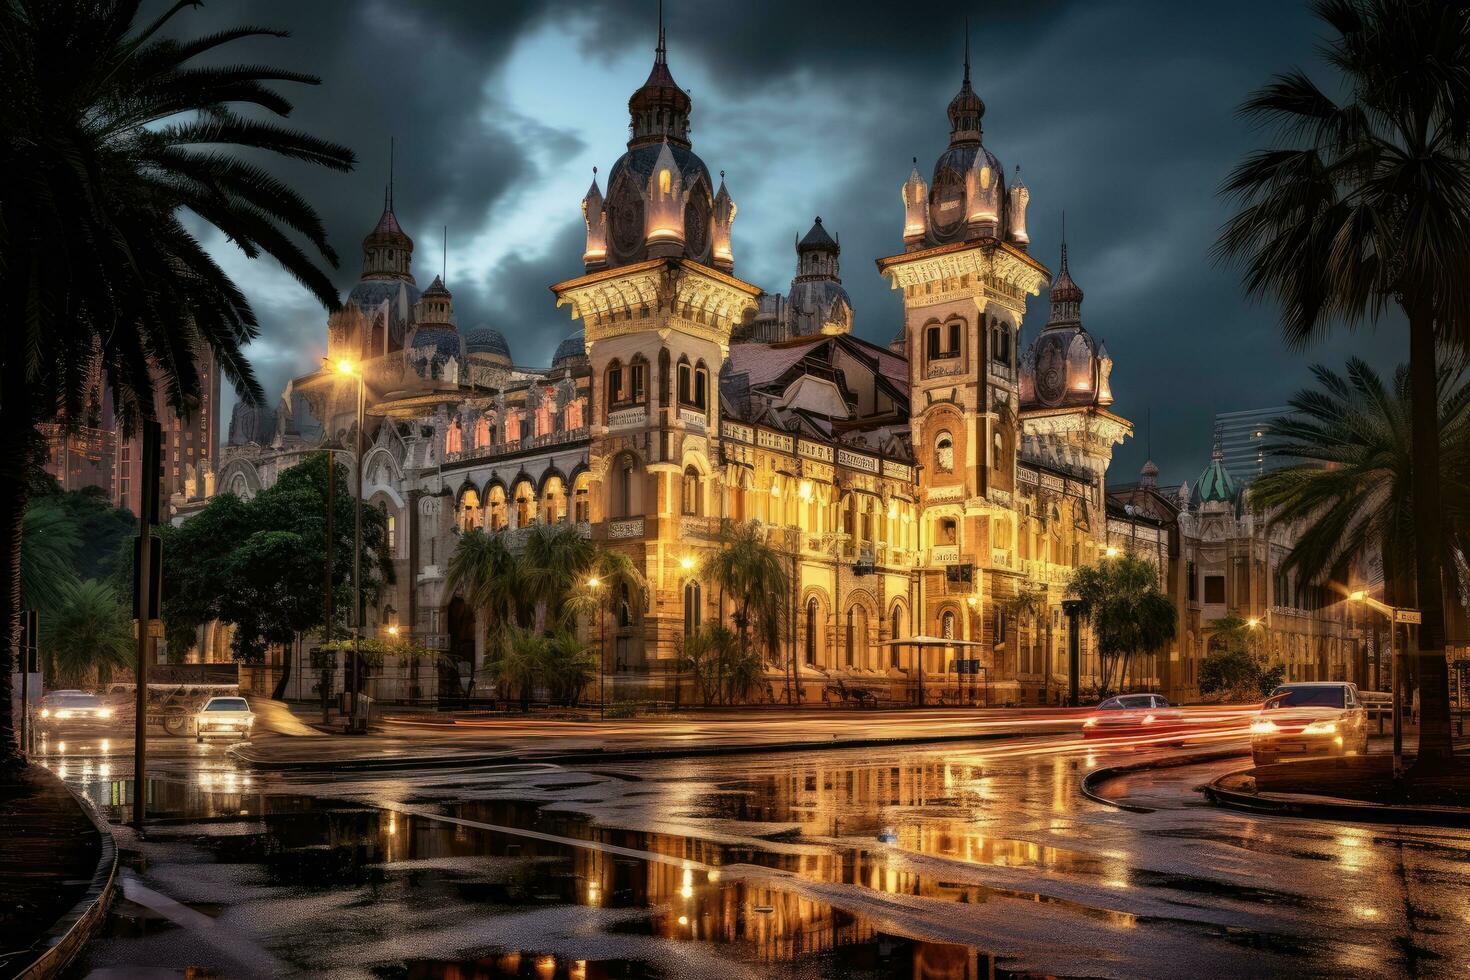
[(686, 563), (1111, 552)]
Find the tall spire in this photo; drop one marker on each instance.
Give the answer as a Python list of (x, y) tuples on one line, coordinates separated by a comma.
[(661, 53), (967, 46), (388, 198), (444, 256)]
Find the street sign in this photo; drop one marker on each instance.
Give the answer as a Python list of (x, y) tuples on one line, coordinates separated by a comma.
[(1410, 616)]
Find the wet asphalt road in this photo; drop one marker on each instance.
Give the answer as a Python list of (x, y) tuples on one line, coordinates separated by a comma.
[(954, 861)]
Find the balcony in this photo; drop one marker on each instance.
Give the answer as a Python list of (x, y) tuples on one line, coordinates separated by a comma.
[(625, 528), (517, 445)]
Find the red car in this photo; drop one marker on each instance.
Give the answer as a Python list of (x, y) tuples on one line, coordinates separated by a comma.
[(1132, 714)]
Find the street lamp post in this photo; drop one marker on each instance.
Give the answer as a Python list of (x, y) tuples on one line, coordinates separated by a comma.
[(355, 370), (1395, 615)]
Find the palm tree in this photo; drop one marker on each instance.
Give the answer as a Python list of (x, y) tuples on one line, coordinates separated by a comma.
[(556, 560), (109, 135), (1351, 494), (750, 572), (1362, 206), (88, 635), (49, 543)]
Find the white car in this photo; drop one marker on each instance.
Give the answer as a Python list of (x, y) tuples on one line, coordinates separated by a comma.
[(67, 709), (230, 717)]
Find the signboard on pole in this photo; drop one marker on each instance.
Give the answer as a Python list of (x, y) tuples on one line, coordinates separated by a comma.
[(1411, 617)]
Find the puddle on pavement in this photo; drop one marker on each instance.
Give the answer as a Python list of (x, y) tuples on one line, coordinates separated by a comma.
[(294, 848)]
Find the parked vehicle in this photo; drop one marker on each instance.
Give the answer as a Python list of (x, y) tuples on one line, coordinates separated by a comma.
[(230, 717), (63, 710), (1310, 718)]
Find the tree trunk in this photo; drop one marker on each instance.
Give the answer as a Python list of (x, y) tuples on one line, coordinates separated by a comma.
[(279, 694), (1435, 744), (17, 442)]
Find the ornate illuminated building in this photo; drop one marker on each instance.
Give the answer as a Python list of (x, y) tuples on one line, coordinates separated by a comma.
[(946, 484)]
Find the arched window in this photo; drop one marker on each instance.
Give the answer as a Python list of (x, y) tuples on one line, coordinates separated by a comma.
[(997, 451), (701, 386), (686, 382), (811, 631), (692, 610), (554, 501), (849, 644), (525, 504), (638, 379), (453, 438), (933, 341), (946, 624), (857, 637), (895, 632), (664, 381), (613, 382), (693, 497), (581, 503), (944, 452), (469, 510), (482, 433), (495, 517), (623, 489), (625, 607)]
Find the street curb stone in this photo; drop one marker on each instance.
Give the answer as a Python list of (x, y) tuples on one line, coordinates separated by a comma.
[(1093, 780), (1282, 804), (59, 946)]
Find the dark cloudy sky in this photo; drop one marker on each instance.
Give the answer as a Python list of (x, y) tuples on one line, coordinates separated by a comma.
[(1121, 113)]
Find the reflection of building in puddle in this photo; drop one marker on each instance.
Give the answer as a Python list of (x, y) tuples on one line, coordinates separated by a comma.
[(966, 842)]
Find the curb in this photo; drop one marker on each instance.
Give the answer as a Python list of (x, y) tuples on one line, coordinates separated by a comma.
[(1097, 777), (1324, 808), (607, 755), (66, 938)]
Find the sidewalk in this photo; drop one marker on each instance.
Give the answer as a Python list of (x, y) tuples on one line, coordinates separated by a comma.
[(1360, 789), (56, 875), (434, 741)]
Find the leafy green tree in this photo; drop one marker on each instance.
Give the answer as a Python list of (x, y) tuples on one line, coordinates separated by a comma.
[(1233, 670), (1359, 208), (1129, 615), (704, 656), (87, 635), (259, 565), (113, 140)]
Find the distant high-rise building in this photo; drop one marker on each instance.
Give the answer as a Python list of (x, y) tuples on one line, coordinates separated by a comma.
[(1243, 438)]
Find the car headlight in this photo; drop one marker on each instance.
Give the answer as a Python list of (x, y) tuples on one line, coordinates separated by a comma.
[(1263, 726), (45, 712), (104, 713), (1148, 719), (1321, 728), (1090, 723)]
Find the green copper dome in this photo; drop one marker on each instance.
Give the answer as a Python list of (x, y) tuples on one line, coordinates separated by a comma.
[(1215, 483)]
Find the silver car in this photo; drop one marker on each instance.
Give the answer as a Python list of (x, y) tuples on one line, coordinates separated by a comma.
[(229, 717)]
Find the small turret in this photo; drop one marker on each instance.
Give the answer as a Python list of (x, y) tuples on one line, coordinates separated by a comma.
[(982, 190), (915, 209), (724, 217), (1020, 196), (595, 255)]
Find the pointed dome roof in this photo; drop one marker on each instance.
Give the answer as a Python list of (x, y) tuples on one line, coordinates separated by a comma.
[(966, 109), (437, 289), (1063, 288), (1215, 484), (817, 238), (659, 109)]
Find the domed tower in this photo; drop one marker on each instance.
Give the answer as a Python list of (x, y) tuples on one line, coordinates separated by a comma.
[(486, 345), (377, 315), (657, 310), (660, 201), (1065, 387), (817, 302), (964, 281), (434, 351)]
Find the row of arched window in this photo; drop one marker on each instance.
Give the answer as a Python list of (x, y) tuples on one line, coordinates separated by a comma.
[(519, 425), (522, 505)]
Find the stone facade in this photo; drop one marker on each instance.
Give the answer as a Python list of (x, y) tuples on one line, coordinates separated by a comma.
[(927, 487)]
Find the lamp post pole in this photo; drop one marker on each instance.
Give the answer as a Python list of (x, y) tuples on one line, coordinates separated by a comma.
[(596, 586), (357, 559), (1396, 615)]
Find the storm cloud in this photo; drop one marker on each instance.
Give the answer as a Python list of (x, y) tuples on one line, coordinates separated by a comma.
[(1120, 114)]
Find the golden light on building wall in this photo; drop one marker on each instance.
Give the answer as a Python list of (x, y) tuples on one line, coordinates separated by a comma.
[(804, 490)]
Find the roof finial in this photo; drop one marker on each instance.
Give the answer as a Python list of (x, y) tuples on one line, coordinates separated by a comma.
[(967, 48), (388, 202), (660, 53), (1064, 240)]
